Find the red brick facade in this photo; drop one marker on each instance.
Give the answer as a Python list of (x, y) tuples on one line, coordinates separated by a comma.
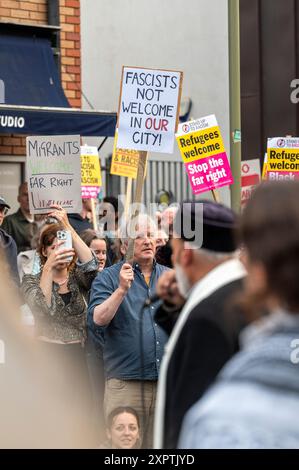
[(35, 12)]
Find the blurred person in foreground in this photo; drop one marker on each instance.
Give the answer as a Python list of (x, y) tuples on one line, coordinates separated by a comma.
[(58, 298), (21, 225), (123, 429), (132, 356), (203, 329), (34, 413), (8, 244), (255, 402), (95, 340)]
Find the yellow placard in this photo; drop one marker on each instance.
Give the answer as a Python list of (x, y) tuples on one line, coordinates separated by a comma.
[(90, 171), (124, 162), (283, 160), (264, 173), (200, 144)]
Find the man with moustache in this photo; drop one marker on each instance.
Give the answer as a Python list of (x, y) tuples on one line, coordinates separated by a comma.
[(203, 329)]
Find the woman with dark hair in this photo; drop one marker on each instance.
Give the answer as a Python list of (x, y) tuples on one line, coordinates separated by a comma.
[(97, 244), (58, 298), (255, 401), (123, 429)]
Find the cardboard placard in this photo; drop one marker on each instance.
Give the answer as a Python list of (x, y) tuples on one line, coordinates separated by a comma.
[(283, 158), (54, 173), (204, 155), (148, 109), (91, 178), (124, 161), (250, 178)]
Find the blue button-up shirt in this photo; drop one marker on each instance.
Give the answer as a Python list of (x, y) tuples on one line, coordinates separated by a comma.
[(122, 346)]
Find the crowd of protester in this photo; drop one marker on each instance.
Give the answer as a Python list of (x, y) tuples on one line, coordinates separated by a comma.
[(189, 344)]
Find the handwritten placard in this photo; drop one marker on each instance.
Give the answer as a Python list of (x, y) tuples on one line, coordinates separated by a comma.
[(54, 173), (148, 109)]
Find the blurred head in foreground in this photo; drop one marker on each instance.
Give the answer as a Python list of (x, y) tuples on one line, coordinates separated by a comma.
[(270, 234)]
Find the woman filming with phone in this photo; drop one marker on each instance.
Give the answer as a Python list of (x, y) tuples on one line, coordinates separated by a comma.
[(57, 297)]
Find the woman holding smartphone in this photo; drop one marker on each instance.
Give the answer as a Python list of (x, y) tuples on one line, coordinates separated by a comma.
[(57, 297)]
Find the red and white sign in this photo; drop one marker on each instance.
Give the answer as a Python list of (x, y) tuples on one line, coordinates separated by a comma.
[(250, 178)]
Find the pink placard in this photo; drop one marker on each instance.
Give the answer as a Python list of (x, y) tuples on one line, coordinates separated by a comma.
[(90, 192), (209, 173)]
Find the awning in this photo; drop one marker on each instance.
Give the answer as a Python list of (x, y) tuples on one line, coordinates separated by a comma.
[(56, 121), (34, 101)]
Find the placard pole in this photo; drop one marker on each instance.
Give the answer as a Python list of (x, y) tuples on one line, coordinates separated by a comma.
[(137, 201)]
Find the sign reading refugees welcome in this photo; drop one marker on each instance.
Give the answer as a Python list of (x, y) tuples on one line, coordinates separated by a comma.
[(91, 179), (283, 158), (124, 161), (204, 155), (54, 173), (148, 109)]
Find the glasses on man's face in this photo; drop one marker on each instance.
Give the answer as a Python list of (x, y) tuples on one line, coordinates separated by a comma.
[(3, 209)]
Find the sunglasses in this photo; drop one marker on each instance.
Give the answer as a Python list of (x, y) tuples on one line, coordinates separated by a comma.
[(3, 209)]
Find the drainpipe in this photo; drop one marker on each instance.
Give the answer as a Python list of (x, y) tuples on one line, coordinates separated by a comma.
[(235, 100)]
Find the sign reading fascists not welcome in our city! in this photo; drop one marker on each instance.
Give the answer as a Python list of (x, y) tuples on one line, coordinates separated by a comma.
[(91, 178), (54, 173), (148, 109), (204, 155), (283, 158)]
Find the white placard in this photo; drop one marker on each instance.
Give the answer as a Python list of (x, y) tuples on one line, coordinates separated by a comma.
[(54, 173), (148, 109)]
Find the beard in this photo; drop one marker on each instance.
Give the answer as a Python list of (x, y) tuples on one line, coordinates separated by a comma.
[(182, 280)]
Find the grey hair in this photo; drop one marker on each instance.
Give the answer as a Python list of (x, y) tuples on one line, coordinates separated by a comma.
[(127, 227)]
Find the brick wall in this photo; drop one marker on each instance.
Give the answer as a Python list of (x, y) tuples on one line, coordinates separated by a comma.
[(70, 50), (35, 12), (32, 11)]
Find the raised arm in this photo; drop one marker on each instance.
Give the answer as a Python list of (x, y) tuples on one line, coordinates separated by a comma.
[(105, 312)]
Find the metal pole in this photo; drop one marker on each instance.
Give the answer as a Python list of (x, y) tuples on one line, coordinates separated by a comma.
[(235, 100)]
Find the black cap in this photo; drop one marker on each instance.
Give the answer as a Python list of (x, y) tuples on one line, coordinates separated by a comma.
[(3, 202), (215, 222)]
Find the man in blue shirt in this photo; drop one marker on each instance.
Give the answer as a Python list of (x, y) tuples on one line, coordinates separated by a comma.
[(133, 342)]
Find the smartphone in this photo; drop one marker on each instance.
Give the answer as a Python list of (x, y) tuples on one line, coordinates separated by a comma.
[(65, 236)]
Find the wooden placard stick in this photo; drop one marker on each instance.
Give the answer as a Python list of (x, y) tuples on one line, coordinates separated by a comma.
[(94, 216), (128, 197), (137, 200), (216, 195)]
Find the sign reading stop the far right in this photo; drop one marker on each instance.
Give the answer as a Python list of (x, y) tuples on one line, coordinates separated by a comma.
[(204, 155)]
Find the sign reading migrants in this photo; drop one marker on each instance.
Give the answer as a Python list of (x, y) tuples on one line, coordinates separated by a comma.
[(124, 161), (283, 158), (54, 173), (250, 178), (91, 179), (204, 155), (148, 109)]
